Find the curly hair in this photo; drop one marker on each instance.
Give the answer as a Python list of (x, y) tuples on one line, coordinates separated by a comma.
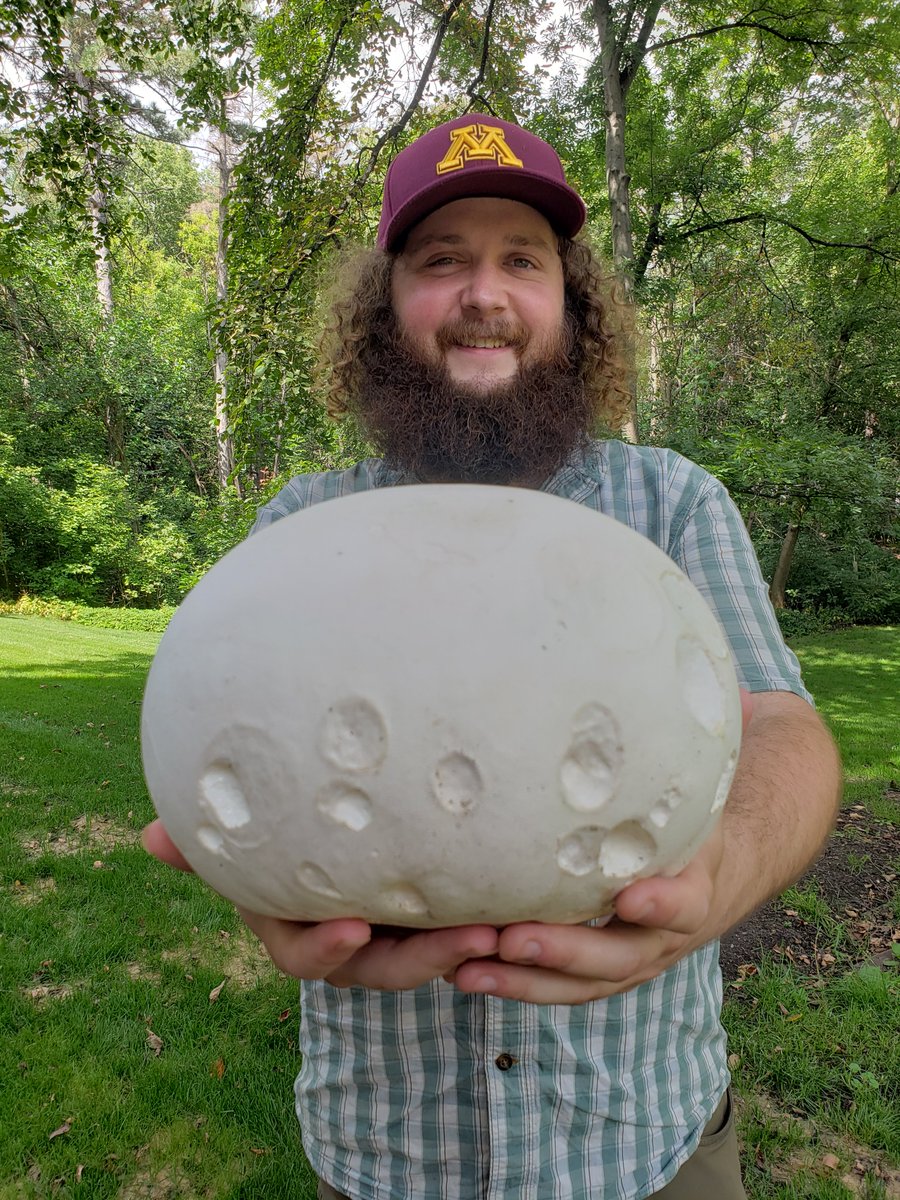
[(362, 317)]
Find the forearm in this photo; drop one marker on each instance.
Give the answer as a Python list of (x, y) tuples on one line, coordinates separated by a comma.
[(782, 805)]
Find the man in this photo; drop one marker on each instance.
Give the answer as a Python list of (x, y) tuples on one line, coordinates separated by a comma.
[(481, 342)]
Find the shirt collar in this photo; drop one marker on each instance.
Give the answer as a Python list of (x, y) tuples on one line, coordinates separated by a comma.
[(582, 471)]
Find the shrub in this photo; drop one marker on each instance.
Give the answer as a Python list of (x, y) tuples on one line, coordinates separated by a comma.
[(857, 579), (30, 532), (97, 527), (804, 621), (146, 620)]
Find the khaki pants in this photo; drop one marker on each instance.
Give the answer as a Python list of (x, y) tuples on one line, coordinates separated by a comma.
[(713, 1172)]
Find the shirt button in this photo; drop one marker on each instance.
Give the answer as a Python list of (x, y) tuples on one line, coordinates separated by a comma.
[(505, 1061)]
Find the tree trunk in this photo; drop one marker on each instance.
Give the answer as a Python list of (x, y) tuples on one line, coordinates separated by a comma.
[(617, 177), (786, 557), (617, 78), (113, 412), (97, 210), (224, 442), (663, 350), (98, 219)]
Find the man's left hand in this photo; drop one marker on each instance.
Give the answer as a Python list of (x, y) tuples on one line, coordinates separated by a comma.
[(657, 922)]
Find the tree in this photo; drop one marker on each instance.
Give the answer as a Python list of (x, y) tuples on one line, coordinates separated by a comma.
[(310, 179), (217, 36), (673, 57)]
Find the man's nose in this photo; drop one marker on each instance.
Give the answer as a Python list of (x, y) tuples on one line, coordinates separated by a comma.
[(484, 290)]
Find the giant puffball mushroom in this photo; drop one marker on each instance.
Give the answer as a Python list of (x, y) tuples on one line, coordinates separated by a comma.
[(440, 705)]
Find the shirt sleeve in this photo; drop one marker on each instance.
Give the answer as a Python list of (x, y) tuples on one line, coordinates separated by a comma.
[(289, 500), (712, 546)]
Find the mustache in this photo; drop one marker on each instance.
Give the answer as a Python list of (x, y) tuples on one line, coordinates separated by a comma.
[(464, 332)]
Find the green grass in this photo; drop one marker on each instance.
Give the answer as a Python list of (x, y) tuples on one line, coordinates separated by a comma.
[(854, 676), (102, 947), (819, 1063), (819, 1068)]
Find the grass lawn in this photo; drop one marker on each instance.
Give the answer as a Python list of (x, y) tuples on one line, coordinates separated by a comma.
[(126, 1070), (120, 1076)]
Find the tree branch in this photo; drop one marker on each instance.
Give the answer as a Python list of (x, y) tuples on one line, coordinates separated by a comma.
[(390, 134), (625, 30), (640, 50), (744, 23), (776, 220), (786, 492), (472, 89), (651, 242)]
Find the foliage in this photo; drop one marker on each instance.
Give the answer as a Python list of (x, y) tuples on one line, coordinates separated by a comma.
[(806, 621), (94, 543), (855, 583), (765, 204), (146, 620), (67, 101)]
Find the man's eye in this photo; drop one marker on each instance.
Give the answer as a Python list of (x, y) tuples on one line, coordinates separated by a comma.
[(443, 260), (527, 263)]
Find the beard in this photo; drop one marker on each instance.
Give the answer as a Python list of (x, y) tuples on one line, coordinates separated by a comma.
[(519, 430)]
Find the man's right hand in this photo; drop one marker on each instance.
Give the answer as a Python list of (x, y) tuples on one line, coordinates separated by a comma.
[(344, 952)]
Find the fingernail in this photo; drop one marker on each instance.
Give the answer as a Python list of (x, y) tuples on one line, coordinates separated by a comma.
[(645, 913), (348, 944), (487, 983), (529, 952)]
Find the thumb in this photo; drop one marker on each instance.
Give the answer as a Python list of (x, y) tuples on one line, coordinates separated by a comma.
[(157, 842)]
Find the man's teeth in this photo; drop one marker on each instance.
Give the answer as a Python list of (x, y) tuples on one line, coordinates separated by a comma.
[(485, 344)]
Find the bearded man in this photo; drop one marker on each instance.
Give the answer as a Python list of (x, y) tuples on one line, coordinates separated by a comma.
[(481, 342)]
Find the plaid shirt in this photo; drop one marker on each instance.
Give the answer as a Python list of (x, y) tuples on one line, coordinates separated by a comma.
[(434, 1095)]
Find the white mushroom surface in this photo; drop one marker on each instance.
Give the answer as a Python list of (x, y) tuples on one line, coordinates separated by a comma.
[(440, 705)]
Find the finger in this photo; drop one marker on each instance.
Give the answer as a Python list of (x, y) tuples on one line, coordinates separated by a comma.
[(396, 963), (530, 985), (533, 985), (308, 951), (615, 954), (683, 902), (157, 842), (680, 905)]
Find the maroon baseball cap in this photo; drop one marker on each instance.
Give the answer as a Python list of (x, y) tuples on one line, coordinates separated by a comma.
[(476, 155)]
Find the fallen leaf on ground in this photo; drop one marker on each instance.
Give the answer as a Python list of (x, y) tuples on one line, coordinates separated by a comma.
[(217, 1070), (155, 1042), (64, 1128), (214, 994), (831, 1162)]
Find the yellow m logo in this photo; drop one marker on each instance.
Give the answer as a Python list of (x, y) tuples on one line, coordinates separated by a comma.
[(477, 142)]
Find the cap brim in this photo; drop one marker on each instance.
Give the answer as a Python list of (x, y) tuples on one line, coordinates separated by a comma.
[(560, 204)]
